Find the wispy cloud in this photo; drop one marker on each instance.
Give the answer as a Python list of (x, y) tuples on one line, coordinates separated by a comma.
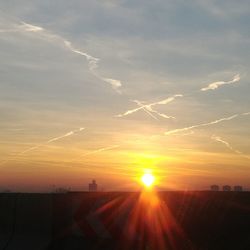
[(96, 151), (100, 150), (31, 28), (159, 114), (215, 85), (53, 140), (93, 61), (44, 144), (65, 135), (50, 36), (148, 107), (177, 131), (219, 139), (22, 27), (187, 133), (144, 109), (116, 84)]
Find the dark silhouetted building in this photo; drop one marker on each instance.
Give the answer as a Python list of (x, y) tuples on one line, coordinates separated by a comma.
[(226, 188), (62, 190), (238, 188), (215, 188), (93, 186)]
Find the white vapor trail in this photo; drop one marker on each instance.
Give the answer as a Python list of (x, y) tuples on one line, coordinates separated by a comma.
[(97, 151), (219, 139), (44, 144), (31, 28), (176, 131), (145, 109), (53, 140), (116, 84), (159, 114), (148, 107), (215, 85), (66, 135), (188, 133), (100, 150), (93, 61), (46, 34)]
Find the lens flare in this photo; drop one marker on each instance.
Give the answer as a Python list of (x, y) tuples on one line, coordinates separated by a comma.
[(148, 179)]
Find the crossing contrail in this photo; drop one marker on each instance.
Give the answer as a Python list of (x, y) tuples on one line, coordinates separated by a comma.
[(148, 107)]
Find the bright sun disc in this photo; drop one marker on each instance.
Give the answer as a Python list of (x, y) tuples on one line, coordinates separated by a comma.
[(148, 179)]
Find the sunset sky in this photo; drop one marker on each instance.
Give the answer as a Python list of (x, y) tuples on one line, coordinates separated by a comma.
[(108, 89)]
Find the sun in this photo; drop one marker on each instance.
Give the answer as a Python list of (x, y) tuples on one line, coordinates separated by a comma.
[(148, 179)]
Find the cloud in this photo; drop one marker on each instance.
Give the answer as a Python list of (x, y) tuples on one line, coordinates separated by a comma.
[(93, 61), (44, 144), (215, 85), (188, 133), (93, 65), (159, 114), (50, 36), (97, 151), (148, 107), (114, 83), (65, 135), (177, 131), (31, 28), (145, 109), (219, 139), (53, 140)]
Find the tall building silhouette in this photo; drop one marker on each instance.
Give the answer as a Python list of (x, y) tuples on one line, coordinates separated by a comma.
[(238, 188), (93, 186), (226, 188), (215, 188)]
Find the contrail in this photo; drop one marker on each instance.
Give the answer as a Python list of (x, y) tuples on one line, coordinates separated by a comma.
[(100, 150), (219, 139), (31, 28), (148, 107), (92, 61), (159, 114), (116, 84), (44, 144), (66, 135), (96, 151), (215, 85), (22, 27), (145, 109), (188, 133), (53, 140), (176, 131)]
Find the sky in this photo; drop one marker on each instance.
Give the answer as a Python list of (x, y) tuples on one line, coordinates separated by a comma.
[(110, 89)]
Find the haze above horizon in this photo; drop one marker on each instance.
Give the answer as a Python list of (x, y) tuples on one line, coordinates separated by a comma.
[(110, 89)]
